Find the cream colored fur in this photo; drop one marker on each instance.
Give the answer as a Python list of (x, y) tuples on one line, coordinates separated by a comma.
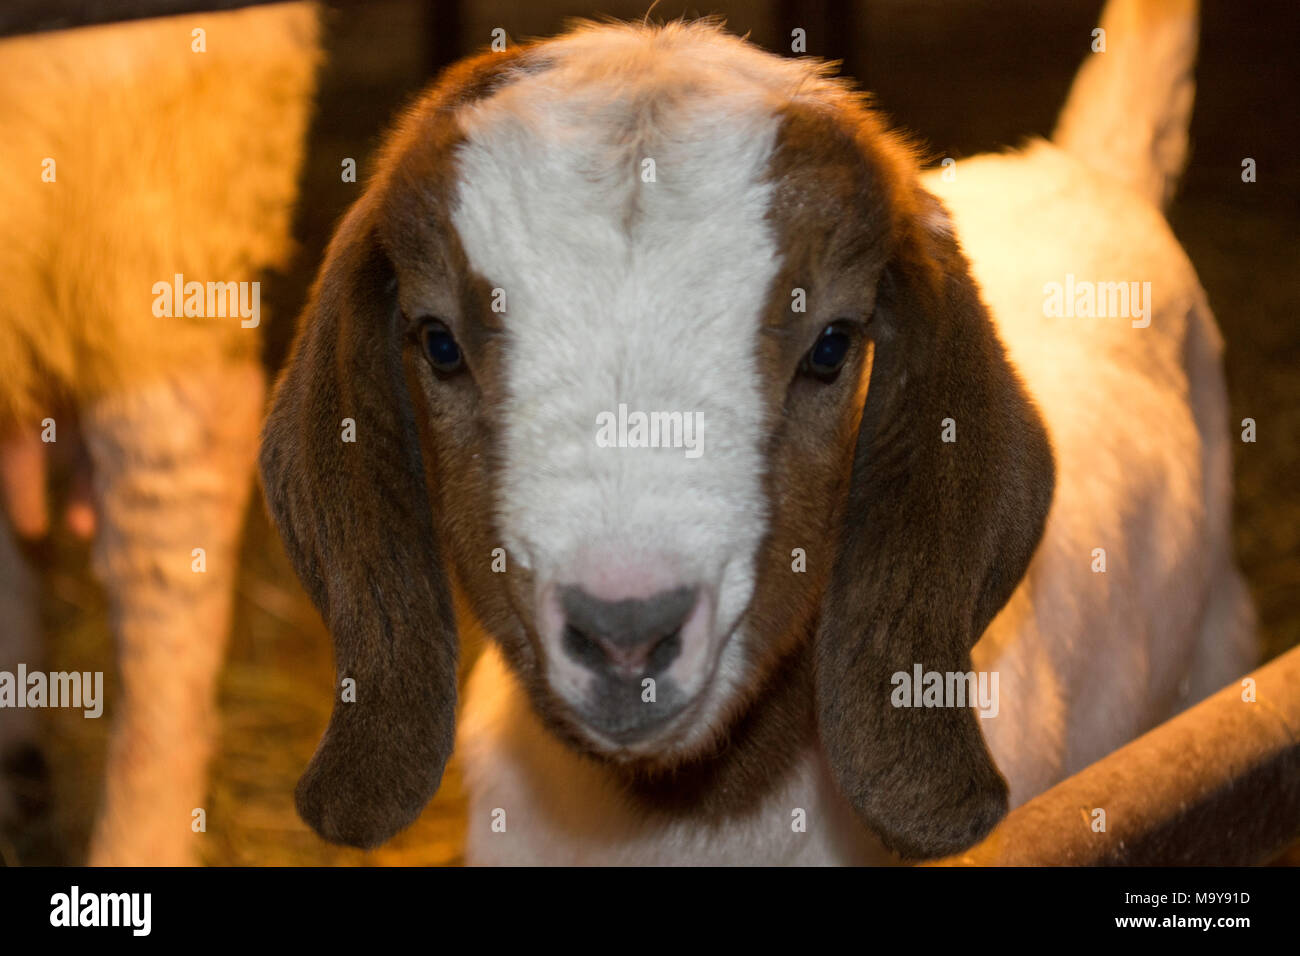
[(1147, 65), (167, 161)]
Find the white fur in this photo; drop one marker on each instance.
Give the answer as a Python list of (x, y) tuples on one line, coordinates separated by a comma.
[(624, 291), (1148, 66), (1137, 417)]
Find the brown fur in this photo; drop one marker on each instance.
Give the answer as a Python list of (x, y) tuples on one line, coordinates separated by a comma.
[(356, 517)]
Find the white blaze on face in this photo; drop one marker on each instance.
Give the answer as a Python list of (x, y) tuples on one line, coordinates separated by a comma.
[(623, 291)]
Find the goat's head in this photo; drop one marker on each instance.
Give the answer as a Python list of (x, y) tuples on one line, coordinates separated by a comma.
[(630, 237)]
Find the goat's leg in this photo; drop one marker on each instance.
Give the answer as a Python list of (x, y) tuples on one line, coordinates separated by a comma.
[(173, 466)]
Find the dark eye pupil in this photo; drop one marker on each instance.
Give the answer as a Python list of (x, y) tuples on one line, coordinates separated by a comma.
[(440, 347), (829, 352)]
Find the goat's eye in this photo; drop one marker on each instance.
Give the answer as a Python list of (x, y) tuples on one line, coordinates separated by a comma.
[(825, 359), (440, 346)]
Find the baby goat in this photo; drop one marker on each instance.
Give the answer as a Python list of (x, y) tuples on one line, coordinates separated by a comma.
[(908, 462)]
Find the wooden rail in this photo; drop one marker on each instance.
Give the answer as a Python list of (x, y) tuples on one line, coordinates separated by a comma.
[(1218, 784)]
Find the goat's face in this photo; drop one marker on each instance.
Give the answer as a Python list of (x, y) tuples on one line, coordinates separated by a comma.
[(569, 312), (601, 244)]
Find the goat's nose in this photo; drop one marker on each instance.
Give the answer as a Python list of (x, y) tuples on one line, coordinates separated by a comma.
[(633, 637)]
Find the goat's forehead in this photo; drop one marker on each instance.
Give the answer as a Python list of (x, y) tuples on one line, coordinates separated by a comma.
[(614, 217), (620, 233), (599, 145)]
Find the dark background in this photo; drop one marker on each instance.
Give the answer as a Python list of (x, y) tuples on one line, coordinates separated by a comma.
[(964, 76)]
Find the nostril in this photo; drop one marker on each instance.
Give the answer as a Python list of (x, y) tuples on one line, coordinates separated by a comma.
[(664, 652), (582, 648), (633, 636)]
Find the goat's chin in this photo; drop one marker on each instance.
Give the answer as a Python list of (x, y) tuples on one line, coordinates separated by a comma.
[(657, 755), (694, 732)]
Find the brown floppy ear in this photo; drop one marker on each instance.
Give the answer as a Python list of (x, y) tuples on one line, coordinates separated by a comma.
[(356, 521), (935, 537)]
